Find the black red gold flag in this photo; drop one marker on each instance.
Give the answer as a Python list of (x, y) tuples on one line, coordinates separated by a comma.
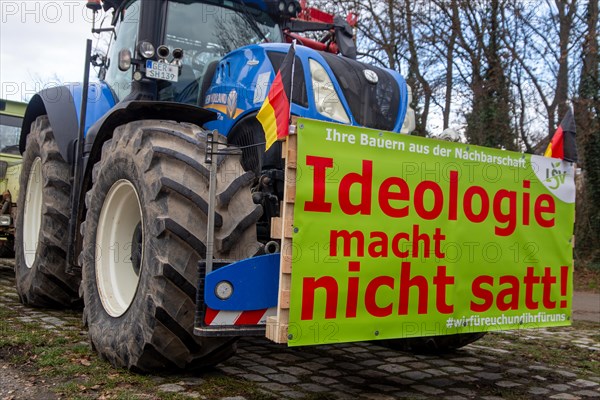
[(274, 114), (562, 144)]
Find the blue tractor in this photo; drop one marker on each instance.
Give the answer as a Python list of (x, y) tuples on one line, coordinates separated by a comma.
[(115, 196)]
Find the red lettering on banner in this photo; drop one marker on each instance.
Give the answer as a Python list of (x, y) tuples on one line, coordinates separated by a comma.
[(318, 203), (438, 237), (386, 195), (512, 291), (396, 244), (508, 298), (438, 200), (346, 238), (509, 218), (441, 281), (352, 300), (309, 287), (453, 202), (354, 244), (468, 204), (526, 203), (429, 200), (548, 280), (371, 294), (378, 248), (394, 191), (403, 287), (365, 182), (529, 280), (482, 294), (408, 287), (544, 204), (406, 283)]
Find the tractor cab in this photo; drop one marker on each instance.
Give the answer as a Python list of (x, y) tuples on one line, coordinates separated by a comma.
[(177, 62)]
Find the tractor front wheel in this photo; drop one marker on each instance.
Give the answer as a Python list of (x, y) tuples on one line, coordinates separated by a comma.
[(144, 234)]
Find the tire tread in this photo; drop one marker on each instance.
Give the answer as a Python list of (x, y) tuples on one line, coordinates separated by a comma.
[(174, 190), (46, 283)]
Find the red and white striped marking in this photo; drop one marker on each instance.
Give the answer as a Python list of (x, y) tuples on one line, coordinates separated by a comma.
[(255, 317)]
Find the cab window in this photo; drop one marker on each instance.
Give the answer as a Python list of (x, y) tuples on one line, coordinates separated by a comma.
[(126, 30)]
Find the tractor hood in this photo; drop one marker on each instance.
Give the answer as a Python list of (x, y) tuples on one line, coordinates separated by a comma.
[(372, 93), (326, 87)]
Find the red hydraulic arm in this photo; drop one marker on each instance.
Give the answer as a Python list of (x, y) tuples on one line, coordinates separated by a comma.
[(338, 36)]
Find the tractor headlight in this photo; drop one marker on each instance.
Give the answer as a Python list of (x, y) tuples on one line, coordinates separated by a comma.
[(409, 123), (293, 8), (177, 56), (326, 98), (290, 8), (146, 49), (124, 59), (163, 52), (5, 220)]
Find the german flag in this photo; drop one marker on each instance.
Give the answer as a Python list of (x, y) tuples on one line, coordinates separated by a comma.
[(274, 114), (562, 144)]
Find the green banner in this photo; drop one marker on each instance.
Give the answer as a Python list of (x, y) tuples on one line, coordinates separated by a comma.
[(400, 236)]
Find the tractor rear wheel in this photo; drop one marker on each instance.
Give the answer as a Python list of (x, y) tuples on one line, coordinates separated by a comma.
[(144, 234), (42, 223)]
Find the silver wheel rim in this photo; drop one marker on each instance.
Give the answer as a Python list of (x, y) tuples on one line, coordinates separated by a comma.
[(116, 277), (32, 213)]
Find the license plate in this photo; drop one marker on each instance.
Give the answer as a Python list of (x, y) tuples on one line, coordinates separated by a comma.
[(161, 70)]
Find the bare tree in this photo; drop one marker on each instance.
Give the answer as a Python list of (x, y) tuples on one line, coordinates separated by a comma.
[(481, 50), (503, 69), (416, 79), (454, 27), (539, 36), (587, 118)]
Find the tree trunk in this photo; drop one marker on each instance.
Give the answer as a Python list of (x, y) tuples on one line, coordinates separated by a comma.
[(587, 115), (414, 71), (450, 64)]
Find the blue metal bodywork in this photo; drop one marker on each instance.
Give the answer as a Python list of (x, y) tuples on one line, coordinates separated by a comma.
[(255, 283), (238, 77), (100, 101), (62, 105)]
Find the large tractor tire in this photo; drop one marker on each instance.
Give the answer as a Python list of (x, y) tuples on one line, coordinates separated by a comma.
[(42, 223), (433, 344), (249, 135), (144, 234)]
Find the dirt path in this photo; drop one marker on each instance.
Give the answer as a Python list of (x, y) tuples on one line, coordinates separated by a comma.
[(15, 385), (586, 306)]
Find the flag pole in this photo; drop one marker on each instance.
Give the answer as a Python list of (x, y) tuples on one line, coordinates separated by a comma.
[(292, 128)]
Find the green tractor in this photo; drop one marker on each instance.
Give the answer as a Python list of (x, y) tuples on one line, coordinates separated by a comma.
[(11, 119)]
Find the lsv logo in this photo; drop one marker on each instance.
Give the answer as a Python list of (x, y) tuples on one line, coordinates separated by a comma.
[(555, 176)]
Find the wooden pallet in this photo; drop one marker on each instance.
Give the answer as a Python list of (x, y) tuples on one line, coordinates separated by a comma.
[(282, 228)]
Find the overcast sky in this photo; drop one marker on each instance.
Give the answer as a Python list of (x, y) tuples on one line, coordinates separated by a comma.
[(39, 42)]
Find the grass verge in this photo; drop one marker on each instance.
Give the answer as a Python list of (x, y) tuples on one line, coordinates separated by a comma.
[(586, 279), (564, 355), (63, 362)]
